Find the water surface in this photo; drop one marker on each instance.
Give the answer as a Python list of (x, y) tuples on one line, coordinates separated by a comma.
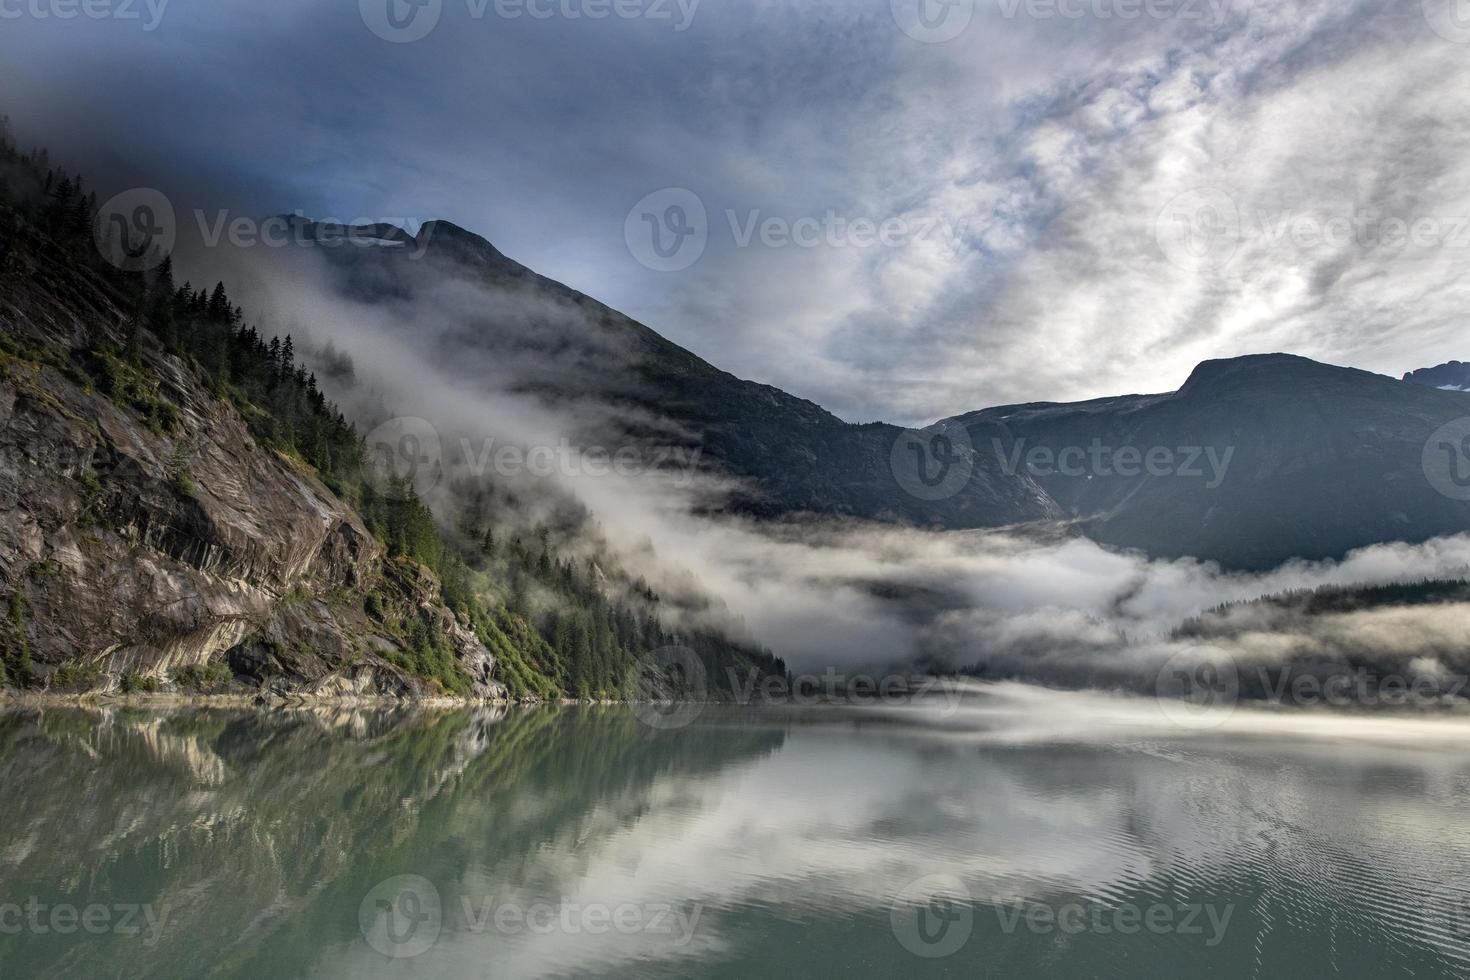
[(1010, 838)]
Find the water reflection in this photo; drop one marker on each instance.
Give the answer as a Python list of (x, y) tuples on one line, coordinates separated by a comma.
[(813, 842)]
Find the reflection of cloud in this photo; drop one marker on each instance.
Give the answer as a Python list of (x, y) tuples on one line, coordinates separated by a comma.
[(758, 820), (1027, 796)]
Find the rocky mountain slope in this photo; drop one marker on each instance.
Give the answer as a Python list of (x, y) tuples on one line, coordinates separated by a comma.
[(148, 540)]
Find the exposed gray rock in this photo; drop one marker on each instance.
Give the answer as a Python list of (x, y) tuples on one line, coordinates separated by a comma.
[(142, 549)]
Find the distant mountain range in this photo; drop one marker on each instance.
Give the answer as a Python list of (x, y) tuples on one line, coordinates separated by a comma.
[(1299, 460), (1454, 376), (1254, 461)]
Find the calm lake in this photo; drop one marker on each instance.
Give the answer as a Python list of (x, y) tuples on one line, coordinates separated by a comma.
[(1015, 835)]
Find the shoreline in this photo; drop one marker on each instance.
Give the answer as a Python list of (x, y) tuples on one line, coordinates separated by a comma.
[(86, 699)]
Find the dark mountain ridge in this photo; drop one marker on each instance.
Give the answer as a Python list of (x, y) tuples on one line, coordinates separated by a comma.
[(1273, 456), (792, 455), (1298, 459), (1454, 375)]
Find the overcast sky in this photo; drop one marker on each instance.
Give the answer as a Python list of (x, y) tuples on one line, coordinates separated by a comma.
[(1072, 201)]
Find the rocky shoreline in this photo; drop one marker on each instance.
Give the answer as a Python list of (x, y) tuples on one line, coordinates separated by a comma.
[(13, 698)]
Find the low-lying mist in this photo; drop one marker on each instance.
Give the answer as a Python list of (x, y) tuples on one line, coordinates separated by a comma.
[(469, 365)]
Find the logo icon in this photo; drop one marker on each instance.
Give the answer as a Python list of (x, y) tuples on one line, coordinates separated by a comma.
[(668, 230), (403, 454), (668, 688), (932, 21), (933, 916), (401, 21), (1199, 230), (933, 463), (136, 230), (1447, 459), (1198, 688), (1449, 911), (1450, 19), (401, 917)]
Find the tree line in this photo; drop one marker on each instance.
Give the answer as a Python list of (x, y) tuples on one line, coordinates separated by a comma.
[(556, 626)]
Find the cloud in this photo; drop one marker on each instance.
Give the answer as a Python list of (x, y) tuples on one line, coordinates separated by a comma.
[(1062, 610), (1030, 165), (1047, 146), (1041, 604)]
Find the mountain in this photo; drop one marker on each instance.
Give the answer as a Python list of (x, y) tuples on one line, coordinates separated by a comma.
[(153, 539), (1390, 645), (1258, 459), (792, 455), (185, 511), (1453, 376)]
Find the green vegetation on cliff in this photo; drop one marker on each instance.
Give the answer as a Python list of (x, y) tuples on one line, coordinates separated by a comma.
[(556, 625)]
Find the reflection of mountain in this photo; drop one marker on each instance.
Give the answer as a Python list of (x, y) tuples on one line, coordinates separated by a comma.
[(791, 833), (249, 828)]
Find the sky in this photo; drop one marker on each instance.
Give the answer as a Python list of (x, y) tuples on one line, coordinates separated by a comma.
[(902, 212)]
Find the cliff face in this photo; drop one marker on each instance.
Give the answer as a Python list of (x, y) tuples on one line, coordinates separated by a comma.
[(145, 534)]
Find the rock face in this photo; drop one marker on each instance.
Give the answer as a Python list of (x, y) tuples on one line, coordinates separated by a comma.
[(130, 548)]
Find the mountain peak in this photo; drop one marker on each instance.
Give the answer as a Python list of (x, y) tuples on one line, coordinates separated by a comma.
[(1257, 369), (1453, 375), (335, 232), (441, 232), (443, 237), (448, 238)]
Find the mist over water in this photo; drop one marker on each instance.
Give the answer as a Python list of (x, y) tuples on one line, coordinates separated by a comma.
[(1218, 230), (1041, 604)]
